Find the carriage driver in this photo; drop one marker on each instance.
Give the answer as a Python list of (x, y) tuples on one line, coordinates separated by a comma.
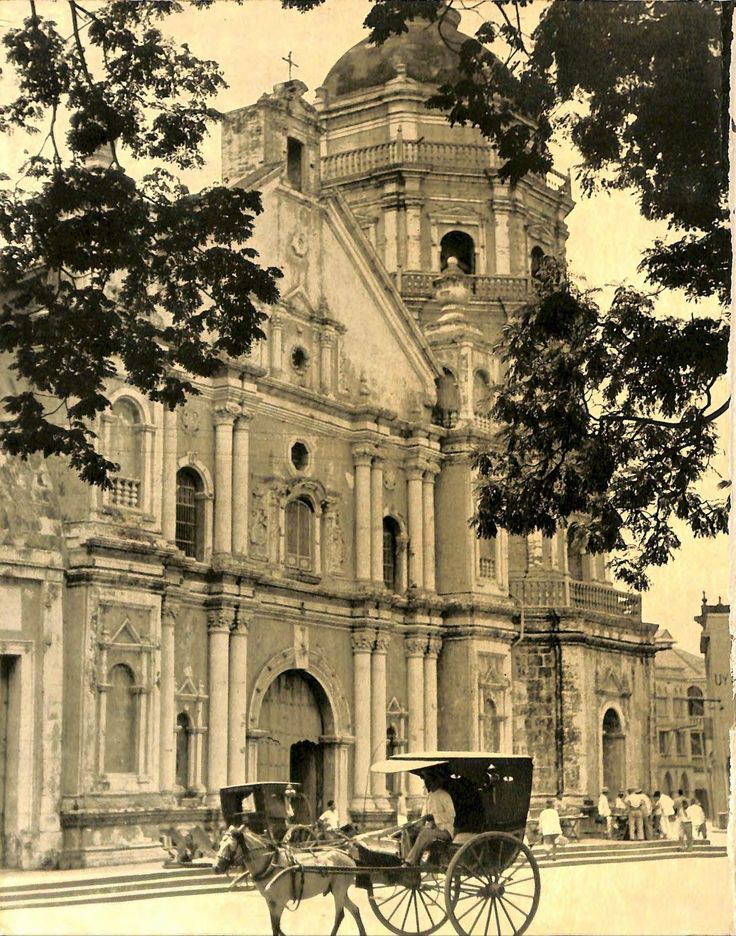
[(439, 818)]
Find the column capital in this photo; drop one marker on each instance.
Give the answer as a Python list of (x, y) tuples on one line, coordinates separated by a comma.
[(383, 640), (363, 453), (239, 626), (226, 412), (219, 620), (415, 645), (362, 640), (242, 418), (168, 616), (434, 646), (415, 469), (431, 470), (378, 458), (327, 338), (275, 320)]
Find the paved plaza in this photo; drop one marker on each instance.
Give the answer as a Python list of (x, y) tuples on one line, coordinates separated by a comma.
[(613, 899)]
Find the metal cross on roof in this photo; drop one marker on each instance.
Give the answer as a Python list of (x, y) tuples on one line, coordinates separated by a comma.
[(290, 62)]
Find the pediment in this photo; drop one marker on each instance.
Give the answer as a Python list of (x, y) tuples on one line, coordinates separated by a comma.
[(126, 634), (611, 684)]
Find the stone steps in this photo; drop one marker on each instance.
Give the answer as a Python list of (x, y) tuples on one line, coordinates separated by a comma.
[(197, 879)]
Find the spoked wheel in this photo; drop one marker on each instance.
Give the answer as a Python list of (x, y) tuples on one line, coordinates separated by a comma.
[(412, 905), (492, 886), (299, 835)]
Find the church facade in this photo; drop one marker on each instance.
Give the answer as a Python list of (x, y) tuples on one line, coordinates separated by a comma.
[(282, 582)]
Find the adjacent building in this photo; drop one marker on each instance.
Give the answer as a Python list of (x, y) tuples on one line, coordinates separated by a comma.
[(720, 708), (282, 580), (684, 739)]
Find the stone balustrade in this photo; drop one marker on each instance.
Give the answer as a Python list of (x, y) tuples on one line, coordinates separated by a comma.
[(470, 157), (587, 596), (124, 492), (414, 284)]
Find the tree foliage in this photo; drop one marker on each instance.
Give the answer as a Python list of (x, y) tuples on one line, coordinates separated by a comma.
[(100, 273)]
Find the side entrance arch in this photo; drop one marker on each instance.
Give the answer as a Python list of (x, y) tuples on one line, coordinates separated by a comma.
[(613, 744)]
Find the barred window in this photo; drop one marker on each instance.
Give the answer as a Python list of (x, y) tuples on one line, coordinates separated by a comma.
[(299, 520), (695, 706), (189, 513)]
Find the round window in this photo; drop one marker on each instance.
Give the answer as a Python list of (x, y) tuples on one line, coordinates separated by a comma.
[(299, 456), (299, 359)]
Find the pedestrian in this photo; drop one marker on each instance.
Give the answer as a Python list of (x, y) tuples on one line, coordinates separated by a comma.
[(604, 811), (646, 812), (657, 815), (685, 825), (669, 817), (550, 828), (636, 817), (696, 815)]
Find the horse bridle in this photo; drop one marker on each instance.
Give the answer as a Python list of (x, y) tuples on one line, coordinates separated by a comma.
[(239, 837)]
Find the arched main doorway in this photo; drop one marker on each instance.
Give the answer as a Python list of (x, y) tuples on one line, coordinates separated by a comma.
[(293, 714), (614, 751)]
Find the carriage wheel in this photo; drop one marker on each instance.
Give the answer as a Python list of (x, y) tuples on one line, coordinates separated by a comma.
[(412, 905), (492, 886), (299, 835)]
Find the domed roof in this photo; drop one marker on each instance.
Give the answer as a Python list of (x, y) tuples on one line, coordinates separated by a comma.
[(429, 51)]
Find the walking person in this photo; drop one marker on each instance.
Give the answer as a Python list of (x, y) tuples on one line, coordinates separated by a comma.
[(646, 811), (604, 811), (550, 828), (636, 817), (685, 825), (657, 815), (696, 815), (669, 817)]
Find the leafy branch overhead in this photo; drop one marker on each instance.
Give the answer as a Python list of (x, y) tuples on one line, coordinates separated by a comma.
[(100, 272)]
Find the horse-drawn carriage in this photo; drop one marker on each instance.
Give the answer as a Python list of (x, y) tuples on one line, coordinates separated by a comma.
[(484, 880)]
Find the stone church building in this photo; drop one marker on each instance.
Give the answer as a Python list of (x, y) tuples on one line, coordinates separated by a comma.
[(282, 581)]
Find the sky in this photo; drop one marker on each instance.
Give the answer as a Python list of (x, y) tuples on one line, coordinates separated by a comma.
[(607, 235)]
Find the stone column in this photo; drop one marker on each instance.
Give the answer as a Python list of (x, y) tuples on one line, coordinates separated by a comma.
[(326, 362), (167, 763), (414, 236), (224, 416), (363, 455), (535, 549), (377, 520), (415, 647), (414, 476), (219, 621), (362, 645), (168, 485), (275, 345), (237, 701), (378, 716), (241, 484), (428, 532), (430, 693), (502, 213)]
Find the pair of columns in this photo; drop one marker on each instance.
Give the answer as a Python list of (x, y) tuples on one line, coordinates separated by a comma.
[(232, 472), (369, 519), (228, 698), (370, 648)]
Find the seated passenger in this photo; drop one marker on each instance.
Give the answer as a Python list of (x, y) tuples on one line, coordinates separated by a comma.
[(439, 819)]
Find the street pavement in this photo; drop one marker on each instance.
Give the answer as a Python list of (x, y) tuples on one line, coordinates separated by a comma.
[(641, 898)]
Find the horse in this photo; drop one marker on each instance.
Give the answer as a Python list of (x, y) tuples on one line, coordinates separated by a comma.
[(280, 878)]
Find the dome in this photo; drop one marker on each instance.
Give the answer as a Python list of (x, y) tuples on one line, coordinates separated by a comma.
[(429, 52)]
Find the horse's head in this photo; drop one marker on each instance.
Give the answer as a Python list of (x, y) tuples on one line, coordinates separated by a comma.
[(232, 843)]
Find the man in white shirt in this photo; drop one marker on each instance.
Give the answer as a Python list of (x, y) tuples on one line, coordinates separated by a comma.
[(328, 819), (696, 815), (636, 818), (604, 811), (439, 818), (669, 819)]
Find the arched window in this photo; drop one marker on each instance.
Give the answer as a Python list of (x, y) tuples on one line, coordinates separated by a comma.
[(121, 733), (491, 726), (667, 785), (685, 784), (448, 400), (299, 522), (575, 561), (535, 260), (392, 747), (481, 393), (459, 245), (126, 451), (190, 513), (183, 738), (695, 705), (390, 554)]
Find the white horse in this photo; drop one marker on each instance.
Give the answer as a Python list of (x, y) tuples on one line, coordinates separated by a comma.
[(280, 878)]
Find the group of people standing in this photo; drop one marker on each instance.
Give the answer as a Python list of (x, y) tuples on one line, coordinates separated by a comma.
[(639, 816)]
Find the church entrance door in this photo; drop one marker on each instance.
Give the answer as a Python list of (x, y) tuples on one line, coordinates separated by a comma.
[(293, 713), (614, 752)]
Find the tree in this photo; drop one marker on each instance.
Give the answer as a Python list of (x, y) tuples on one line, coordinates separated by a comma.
[(100, 273), (606, 417)]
